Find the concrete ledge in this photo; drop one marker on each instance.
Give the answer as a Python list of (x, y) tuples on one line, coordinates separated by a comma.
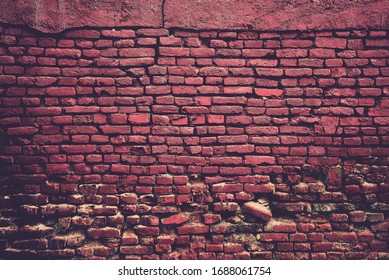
[(56, 15)]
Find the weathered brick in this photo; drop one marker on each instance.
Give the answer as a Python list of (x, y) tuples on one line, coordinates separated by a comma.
[(257, 210), (106, 232), (268, 92), (175, 220), (193, 229), (332, 43), (254, 160)]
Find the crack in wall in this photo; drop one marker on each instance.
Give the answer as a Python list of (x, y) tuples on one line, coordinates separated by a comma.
[(163, 13)]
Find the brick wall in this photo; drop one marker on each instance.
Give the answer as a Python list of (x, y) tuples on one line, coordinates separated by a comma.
[(175, 144)]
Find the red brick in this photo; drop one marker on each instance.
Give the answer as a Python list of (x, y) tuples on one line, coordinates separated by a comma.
[(357, 216), (322, 247), (229, 62), (377, 42), (146, 231), (241, 149), (57, 168), (213, 71), (172, 51), (291, 53), (136, 250), (141, 61), (22, 130), (211, 218), (281, 226), (106, 232), (193, 229), (189, 160), (238, 90), (137, 52), (226, 160), (61, 91), (271, 72), (254, 160), (268, 92), (225, 207), (175, 220), (332, 43), (69, 53), (256, 52), (321, 53), (139, 118), (274, 237), (233, 248), (202, 52), (257, 210), (372, 53), (118, 33), (298, 72)]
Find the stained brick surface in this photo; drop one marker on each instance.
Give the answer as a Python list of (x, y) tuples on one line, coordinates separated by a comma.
[(175, 144)]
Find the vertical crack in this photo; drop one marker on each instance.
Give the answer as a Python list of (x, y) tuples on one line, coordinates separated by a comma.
[(116, 12), (380, 20), (163, 13)]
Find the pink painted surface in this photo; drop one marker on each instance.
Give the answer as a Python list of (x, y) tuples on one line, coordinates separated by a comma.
[(277, 14), (57, 15)]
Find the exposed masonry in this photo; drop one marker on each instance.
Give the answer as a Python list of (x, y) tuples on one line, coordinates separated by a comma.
[(175, 144)]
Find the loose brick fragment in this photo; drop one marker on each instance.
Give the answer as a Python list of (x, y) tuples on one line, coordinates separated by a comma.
[(258, 210), (175, 220)]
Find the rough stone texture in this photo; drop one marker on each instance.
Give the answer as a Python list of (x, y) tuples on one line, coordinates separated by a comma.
[(276, 15), (54, 15), (57, 15)]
